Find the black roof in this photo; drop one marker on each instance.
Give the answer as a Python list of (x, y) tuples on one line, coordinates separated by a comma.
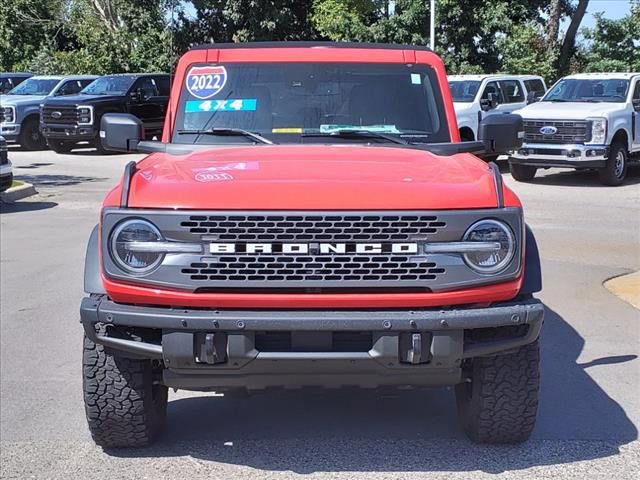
[(298, 44)]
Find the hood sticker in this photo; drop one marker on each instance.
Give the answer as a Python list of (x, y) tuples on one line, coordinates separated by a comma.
[(231, 105), (206, 82), (231, 166), (206, 177)]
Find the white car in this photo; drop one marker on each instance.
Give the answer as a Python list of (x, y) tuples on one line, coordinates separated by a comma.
[(6, 173), (476, 96), (587, 120)]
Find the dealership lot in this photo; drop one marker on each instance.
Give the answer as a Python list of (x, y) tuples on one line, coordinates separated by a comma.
[(590, 407)]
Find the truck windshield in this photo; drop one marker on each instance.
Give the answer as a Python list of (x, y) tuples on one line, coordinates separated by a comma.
[(464, 90), (588, 90), (311, 102), (35, 86), (114, 85)]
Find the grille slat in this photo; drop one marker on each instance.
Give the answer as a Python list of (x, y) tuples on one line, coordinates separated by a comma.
[(572, 132), (330, 228)]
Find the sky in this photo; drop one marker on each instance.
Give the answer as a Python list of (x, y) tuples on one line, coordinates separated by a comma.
[(613, 9)]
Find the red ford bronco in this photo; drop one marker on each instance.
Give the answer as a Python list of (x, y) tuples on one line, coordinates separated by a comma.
[(310, 218)]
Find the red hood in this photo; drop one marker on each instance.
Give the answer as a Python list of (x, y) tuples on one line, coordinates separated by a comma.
[(312, 177)]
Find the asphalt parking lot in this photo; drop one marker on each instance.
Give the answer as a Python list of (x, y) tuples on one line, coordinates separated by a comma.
[(590, 405)]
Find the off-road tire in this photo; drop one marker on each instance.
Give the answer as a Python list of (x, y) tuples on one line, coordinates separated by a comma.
[(522, 173), (31, 137), (60, 146), (500, 403), (613, 174), (123, 406)]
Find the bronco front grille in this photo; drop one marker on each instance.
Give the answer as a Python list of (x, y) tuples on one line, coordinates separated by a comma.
[(320, 228), (371, 256), (568, 132), (60, 115), (267, 268)]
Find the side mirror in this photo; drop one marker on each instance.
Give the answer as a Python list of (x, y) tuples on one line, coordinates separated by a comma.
[(531, 98), (636, 104), (121, 132), (489, 103), (501, 133)]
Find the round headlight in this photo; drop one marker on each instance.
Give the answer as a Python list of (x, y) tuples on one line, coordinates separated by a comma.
[(135, 230), (490, 261)]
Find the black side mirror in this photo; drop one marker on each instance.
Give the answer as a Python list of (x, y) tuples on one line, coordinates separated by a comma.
[(531, 97), (636, 104), (501, 133), (121, 132), (489, 103)]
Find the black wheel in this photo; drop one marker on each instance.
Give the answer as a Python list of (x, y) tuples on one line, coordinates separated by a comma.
[(616, 170), (60, 146), (499, 401), (30, 136), (522, 173), (124, 407)]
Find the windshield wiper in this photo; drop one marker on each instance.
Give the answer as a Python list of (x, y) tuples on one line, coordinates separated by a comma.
[(350, 133), (230, 132)]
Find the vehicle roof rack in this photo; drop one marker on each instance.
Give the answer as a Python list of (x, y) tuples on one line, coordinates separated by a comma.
[(306, 44)]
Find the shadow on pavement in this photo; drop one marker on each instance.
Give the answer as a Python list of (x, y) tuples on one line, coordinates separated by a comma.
[(351, 431), (583, 178), (25, 206), (32, 166), (58, 180)]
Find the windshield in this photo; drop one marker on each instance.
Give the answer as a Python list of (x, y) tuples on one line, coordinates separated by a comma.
[(35, 86), (464, 90), (588, 90), (116, 85), (309, 102)]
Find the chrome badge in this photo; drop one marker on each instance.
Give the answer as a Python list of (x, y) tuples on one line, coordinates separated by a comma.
[(548, 130)]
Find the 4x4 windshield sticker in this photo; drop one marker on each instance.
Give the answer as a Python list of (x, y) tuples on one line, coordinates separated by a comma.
[(206, 82), (230, 105)]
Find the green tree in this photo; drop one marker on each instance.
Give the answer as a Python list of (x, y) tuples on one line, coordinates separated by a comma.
[(614, 45)]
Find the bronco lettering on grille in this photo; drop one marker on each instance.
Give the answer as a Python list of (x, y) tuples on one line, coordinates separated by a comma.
[(305, 248)]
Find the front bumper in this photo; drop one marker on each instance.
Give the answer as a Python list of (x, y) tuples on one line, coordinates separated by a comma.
[(74, 133), (10, 131), (561, 155), (218, 349), (6, 176)]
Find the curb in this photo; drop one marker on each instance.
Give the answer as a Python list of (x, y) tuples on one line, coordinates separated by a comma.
[(626, 287), (18, 193)]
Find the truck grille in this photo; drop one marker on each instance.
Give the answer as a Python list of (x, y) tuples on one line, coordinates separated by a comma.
[(383, 266), (269, 268), (60, 115), (321, 228), (569, 132)]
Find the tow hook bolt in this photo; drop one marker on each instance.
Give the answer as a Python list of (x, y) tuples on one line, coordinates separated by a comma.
[(413, 324), (515, 318), (386, 324), (240, 324)]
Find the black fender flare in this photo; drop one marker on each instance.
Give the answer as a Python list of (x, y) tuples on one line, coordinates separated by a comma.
[(532, 281), (92, 277)]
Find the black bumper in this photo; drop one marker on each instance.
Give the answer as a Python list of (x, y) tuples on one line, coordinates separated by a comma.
[(6, 181), (69, 132), (219, 349), (544, 163)]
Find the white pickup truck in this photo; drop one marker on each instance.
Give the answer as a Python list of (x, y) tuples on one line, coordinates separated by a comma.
[(476, 96), (589, 120)]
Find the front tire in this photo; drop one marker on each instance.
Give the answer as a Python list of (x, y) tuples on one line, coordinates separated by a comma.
[(614, 173), (30, 136), (522, 173), (500, 402), (124, 407)]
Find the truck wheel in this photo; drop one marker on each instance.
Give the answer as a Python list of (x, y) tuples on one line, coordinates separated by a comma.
[(124, 407), (30, 136), (60, 146), (500, 402), (615, 171), (522, 173)]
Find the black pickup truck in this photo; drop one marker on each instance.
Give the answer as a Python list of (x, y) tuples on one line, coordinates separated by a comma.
[(70, 120)]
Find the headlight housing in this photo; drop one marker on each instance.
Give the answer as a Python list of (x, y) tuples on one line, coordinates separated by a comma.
[(8, 115), (135, 262), (490, 262), (85, 115), (598, 130)]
